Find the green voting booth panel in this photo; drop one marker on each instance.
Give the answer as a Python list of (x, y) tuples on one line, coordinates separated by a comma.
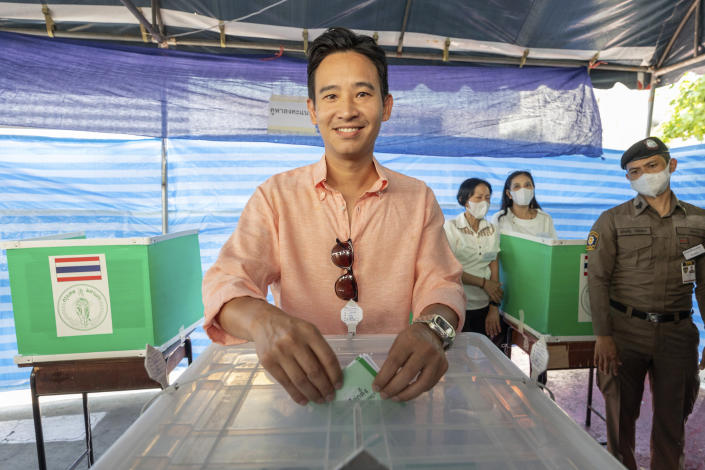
[(547, 280), (78, 296)]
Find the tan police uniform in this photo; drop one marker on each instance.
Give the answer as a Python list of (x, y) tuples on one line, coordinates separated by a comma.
[(639, 297)]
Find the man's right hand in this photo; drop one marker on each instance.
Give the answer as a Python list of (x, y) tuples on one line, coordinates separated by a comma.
[(293, 351), (606, 358)]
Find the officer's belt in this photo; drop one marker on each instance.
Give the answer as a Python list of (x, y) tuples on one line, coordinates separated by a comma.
[(652, 317)]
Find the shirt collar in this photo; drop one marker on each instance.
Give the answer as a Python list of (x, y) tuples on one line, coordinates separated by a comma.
[(640, 204), (320, 174), (462, 222)]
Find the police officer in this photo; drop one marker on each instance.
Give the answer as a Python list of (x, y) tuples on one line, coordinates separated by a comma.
[(644, 258)]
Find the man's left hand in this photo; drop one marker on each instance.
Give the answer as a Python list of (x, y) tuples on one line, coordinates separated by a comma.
[(417, 353), (702, 361)]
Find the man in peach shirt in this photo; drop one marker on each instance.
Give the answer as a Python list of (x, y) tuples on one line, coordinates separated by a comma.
[(390, 255)]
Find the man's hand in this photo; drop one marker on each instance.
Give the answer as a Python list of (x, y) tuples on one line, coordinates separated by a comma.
[(494, 290), (293, 351), (606, 359), (492, 325), (417, 352), (702, 361)]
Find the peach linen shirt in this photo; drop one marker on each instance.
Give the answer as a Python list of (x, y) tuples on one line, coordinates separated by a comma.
[(402, 261)]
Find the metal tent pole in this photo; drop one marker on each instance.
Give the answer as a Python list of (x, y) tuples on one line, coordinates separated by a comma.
[(165, 194), (650, 113)]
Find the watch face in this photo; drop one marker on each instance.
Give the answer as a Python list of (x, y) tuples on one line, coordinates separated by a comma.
[(445, 325)]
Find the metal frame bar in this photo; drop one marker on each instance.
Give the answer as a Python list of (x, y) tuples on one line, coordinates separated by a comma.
[(696, 30), (298, 49), (156, 35), (652, 96), (158, 11), (36, 414), (676, 33), (165, 194), (407, 10), (686, 63)]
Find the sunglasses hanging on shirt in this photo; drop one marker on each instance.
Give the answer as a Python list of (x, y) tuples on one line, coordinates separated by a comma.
[(346, 287)]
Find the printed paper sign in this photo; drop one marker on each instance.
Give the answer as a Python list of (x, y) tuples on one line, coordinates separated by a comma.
[(538, 358), (81, 296), (584, 314), (289, 115)]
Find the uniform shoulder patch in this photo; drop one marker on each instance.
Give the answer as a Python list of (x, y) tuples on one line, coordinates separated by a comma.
[(592, 239)]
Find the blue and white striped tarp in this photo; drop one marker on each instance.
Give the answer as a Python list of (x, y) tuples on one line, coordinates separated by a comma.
[(111, 188)]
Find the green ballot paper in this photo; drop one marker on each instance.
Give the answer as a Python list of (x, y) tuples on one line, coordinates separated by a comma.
[(357, 380)]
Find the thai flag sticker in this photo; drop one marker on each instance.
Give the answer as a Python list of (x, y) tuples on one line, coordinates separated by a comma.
[(77, 268), (79, 284)]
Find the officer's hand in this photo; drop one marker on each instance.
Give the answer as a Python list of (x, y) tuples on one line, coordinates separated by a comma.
[(492, 326), (494, 290), (702, 361), (606, 358), (416, 362), (296, 355)]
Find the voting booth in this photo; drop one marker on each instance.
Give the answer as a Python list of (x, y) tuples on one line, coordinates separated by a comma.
[(226, 411), (78, 298), (545, 285)]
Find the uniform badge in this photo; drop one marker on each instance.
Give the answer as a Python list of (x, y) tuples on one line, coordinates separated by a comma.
[(592, 241), (651, 144)]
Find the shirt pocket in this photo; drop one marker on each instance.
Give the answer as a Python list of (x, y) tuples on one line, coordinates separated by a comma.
[(635, 251), (689, 237)]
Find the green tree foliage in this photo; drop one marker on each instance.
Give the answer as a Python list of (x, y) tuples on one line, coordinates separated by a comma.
[(688, 118)]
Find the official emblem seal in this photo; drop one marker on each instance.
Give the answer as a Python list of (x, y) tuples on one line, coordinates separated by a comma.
[(82, 307)]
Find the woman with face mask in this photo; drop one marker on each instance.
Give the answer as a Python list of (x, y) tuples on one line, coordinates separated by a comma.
[(520, 212), (475, 243)]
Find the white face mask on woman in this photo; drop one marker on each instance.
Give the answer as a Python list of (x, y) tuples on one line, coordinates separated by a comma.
[(652, 184), (523, 196), (478, 209)]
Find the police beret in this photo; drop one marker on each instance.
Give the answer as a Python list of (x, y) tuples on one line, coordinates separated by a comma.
[(644, 149)]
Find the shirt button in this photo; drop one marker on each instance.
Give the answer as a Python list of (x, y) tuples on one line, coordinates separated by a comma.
[(322, 195), (358, 209)]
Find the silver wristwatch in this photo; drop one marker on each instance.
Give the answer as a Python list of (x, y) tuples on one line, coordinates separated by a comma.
[(441, 327)]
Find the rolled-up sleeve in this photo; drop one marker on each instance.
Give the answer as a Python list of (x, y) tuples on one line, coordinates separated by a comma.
[(601, 260), (247, 264), (438, 272)]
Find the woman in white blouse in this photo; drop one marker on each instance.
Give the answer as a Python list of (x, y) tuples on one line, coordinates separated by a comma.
[(520, 212), (475, 243)]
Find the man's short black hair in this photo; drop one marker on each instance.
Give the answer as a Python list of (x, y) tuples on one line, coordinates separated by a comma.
[(343, 40)]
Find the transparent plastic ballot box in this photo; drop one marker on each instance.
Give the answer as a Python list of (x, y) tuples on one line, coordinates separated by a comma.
[(226, 411)]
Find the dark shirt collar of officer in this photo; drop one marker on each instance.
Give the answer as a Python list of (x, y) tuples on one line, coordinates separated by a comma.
[(649, 165)]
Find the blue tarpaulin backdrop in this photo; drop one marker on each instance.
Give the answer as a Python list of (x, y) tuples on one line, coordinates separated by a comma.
[(111, 188), (438, 110)]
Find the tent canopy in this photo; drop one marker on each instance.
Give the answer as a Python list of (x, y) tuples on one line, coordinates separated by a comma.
[(619, 40)]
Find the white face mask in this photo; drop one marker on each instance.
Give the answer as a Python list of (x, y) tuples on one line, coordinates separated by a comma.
[(652, 184), (523, 196), (478, 209)]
